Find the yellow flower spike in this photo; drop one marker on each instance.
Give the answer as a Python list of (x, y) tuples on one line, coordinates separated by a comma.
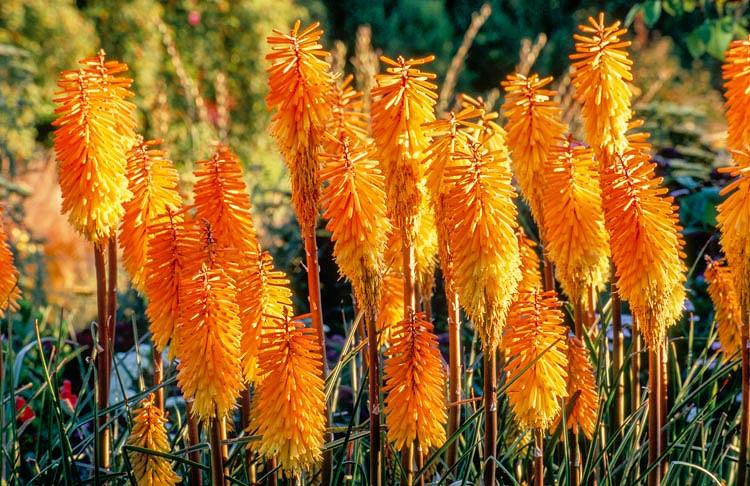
[(534, 128), (733, 220), (415, 407), (347, 116), (94, 131), (263, 301), (353, 201), (645, 241), (485, 248), (152, 181), (536, 346), (736, 74), (209, 372), (299, 82), (727, 314), (577, 241), (289, 408), (531, 276), (149, 432), (601, 77), (582, 389), (9, 290), (403, 102), (164, 265)]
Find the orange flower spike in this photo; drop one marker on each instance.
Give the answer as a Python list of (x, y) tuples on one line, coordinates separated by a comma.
[(263, 302), (645, 241), (163, 272), (531, 277), (733, 220), (152, 181), (534, 127), (9, 290), (403, 102), (485, 247), (299, 82), (347, 116), (149, 432), (577, 241), (94, 131), (289, 411), (354, 205), (582, 389), (736, 74), (415, 381), (209, 371), (601, 77), (727, 314), (537, 370)]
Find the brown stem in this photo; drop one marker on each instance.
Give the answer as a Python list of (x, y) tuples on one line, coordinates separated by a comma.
[(408, 270), (158, 376), (663, 406), (407, 460), (745, 420), (575, 461), (271, 464), (196, 478), (549, 274), (618, 356), (654, 412), (454, 372), (374, 392), (538, 458), (217, 453), (635, 368), (245, 402), (420, 461), (489, 362), (102, 357)]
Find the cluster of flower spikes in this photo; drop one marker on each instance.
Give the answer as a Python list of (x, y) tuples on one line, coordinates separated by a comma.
[(733, 219), (353, 202), (736, 74), (264, 300), (727, 315), (299, 84), (289, 410), (485, 250), (577, 241), (94, 131), (534, 129), (149, 432), (582, 405), (403, 102), (152, 182), (415, 384), (9, 289), (537, 372)]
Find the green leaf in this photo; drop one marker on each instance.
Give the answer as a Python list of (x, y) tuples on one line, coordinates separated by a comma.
[(698, 39), (651, 12), (634, 10), (720, 37)]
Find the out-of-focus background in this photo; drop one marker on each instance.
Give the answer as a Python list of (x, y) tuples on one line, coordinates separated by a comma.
[(199, 77)]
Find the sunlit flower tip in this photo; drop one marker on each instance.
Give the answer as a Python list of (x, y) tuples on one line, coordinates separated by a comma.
[(486, 260), (415, 407), (733, 219), (347, 116), (353, 202), (727, 313), (736, 74), (582, 404), (222, 199), (152, 182), (209, 372), (403, 102), (289, 409), (9, 290), (391, 305), (263, 302), (535, 341), (94, 131), (149, 432), (531, 277), (645, 241), (601, 77), (534, 127), (299, 83), (164, 266), (577, 241)]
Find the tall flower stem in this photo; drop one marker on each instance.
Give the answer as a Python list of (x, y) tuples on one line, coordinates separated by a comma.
[(580, 317), (538, 457), (103, 356), (158, 377), (635, 368), (374, 392), (245, 403), (618, 356), (489, 363), (196, 478), (654, 412), (217, 452), (454, 373), (745, 423), (664, 409), (410, 304)]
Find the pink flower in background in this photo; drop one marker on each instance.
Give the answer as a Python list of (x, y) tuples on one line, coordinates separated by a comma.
[(194, 18), (24, 412), (67, 395)]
